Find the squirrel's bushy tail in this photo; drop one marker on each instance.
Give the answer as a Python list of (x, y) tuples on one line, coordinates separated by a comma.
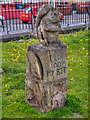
[(44, 10)]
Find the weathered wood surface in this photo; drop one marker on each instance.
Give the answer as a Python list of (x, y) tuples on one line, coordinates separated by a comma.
[(46, 76)]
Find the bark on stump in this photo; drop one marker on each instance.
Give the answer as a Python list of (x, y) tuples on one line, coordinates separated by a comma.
[(46, 76)]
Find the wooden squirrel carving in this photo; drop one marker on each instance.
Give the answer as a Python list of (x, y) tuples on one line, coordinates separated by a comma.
[(47, 25)]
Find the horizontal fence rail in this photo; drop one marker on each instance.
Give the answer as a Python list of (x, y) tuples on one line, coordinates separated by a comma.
[(18, 16)]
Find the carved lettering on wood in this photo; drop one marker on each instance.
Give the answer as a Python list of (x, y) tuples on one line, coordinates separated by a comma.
[(57, 67)]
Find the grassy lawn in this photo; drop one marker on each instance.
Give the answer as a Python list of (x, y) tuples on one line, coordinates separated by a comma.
[(13, 81)]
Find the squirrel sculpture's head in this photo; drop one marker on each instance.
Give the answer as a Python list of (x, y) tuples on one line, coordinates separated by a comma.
[(44, 9), (54, 16)]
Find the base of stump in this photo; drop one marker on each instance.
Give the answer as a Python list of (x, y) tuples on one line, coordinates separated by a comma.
[(46, 97)]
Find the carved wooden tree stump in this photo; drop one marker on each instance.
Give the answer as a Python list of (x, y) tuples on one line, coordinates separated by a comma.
[(46, 76)]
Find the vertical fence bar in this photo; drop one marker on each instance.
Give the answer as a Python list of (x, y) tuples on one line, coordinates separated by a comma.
[(29, 5), (82, 10), (68, 18), (9, 16), (32, 12), (19, 20), (75, 12), (12, 19), (28, 17), (2, 17), (22, 20), (27, 26), (85, 14), (78, 12), (65, 11), (72, 14), (25, 18), (6, 17), (16, 17), (31, 17), (35, 17)]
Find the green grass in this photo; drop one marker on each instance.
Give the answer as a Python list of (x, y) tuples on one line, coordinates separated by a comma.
[(13, 82)]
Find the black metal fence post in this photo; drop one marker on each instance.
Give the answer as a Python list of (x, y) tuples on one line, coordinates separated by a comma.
[(6, 18), (32, 24), (88, 11)]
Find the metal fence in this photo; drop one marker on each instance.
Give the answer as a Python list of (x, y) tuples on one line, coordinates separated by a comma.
[(21, 16)]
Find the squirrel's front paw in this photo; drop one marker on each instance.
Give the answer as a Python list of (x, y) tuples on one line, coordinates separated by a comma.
[(43, 42), (59, 42)]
